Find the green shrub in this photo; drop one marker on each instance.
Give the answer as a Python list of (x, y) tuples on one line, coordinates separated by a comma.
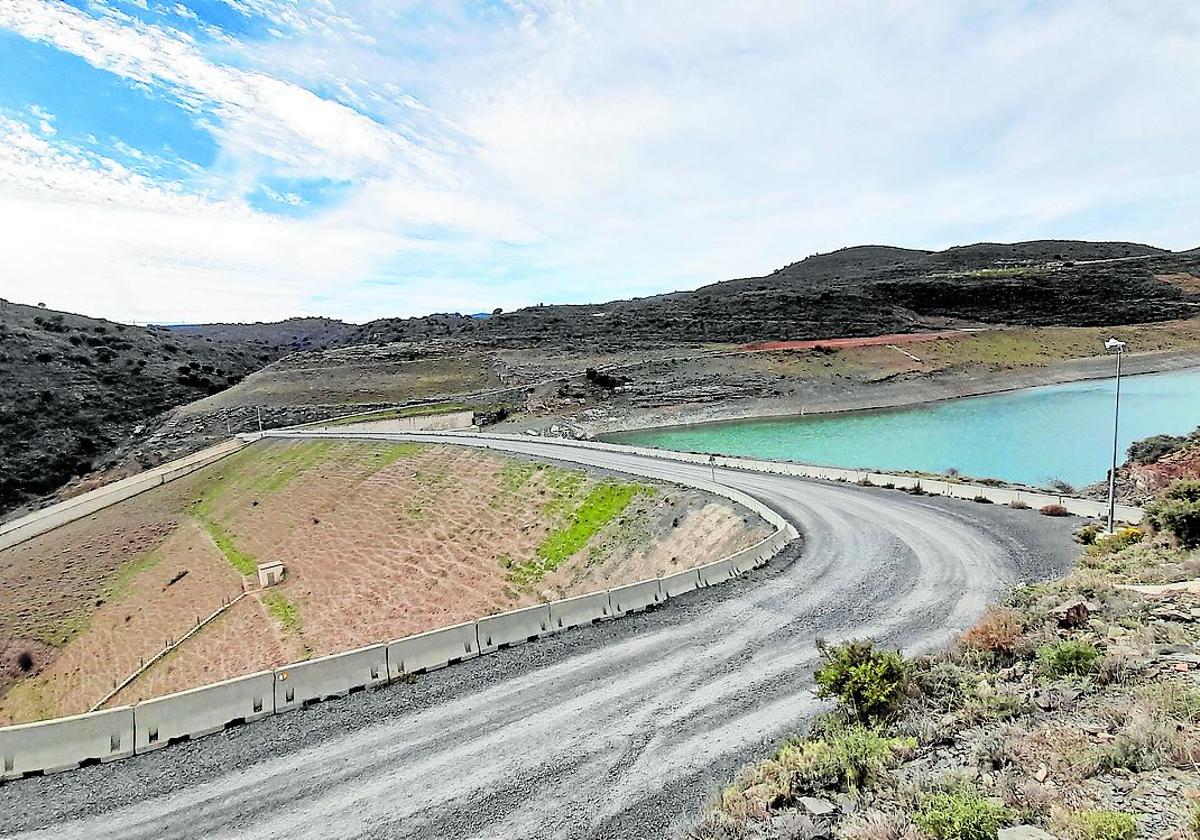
[(1068, 658), (1150, 449), (871, 684), (1113, 543), (1088, 533), (962, 814), (845, 759), (1103, 825), (1177, 510)]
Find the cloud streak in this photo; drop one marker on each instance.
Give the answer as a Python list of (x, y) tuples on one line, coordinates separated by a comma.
[(545, 151)]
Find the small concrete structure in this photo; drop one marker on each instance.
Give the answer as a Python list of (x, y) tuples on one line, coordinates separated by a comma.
[(270, 573)]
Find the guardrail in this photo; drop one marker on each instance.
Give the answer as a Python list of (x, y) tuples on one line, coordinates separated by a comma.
[(101, 736), (85, 504)]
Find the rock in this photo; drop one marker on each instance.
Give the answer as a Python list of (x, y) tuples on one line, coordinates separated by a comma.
[(790, 825), (1072, 613), (816, 806), (1024, 832)]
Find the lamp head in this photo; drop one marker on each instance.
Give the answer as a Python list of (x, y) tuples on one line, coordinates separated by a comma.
[(1114, 345)]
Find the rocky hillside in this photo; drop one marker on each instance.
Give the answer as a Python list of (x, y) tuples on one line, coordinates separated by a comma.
[(868, 290), (72, 389)]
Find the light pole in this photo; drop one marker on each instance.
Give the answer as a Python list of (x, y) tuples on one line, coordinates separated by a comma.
[(1118, 347)]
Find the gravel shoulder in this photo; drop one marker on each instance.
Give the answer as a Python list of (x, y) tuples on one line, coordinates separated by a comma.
[(617, 730)]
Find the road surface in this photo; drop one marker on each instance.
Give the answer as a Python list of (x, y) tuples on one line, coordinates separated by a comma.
[(618, 730)]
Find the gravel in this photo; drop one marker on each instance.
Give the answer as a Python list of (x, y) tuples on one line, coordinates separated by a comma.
[(621, 729)]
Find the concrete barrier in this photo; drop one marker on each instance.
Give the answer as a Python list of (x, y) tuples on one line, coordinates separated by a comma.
[(718, 572), (635, 597), (305, 683), (432, 649), (582, 609), (672, 585), (66, 743), (513, 628), (202, 711), (85, 504)]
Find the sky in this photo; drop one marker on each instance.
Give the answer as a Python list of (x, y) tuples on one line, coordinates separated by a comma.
[(242, 160)]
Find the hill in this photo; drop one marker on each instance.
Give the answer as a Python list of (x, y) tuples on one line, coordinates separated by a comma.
[(291, 335), (867, 290), (72, 389)]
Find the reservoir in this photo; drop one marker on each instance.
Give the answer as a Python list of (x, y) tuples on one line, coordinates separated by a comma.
[(1031, 436)]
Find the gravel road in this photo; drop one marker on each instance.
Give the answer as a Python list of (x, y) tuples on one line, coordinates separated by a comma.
[(620, 730)]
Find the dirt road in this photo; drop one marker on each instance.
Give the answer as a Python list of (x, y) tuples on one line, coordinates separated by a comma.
[(619, 730)]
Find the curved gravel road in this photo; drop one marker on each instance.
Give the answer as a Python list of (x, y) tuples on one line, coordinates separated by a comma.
[(618, 730)]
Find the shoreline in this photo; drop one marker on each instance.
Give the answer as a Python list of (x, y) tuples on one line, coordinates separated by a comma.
[(891, 393)]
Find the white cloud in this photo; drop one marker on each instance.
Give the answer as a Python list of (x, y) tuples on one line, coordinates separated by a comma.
[(570, 151)]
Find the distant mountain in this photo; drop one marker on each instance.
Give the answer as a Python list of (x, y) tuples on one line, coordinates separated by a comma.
[(290, 335)]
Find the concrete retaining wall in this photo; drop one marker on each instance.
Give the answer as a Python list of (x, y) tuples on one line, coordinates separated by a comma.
[(582, 609), (329, 676), (449, 422), (201, 711), (85, 504), (65, 743), (433, 649), (513, 628), (635, 597)]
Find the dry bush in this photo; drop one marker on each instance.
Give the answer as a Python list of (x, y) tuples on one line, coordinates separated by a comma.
[(879, 826), (998, 632), (1054, 510)]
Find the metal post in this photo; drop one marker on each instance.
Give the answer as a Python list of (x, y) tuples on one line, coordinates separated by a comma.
[(260, 429), (712, 466), (1112, 474)]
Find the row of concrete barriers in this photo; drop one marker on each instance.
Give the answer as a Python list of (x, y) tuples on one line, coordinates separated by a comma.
[(65, 743)]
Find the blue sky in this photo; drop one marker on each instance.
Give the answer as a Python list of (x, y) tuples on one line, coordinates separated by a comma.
[(256, 159)]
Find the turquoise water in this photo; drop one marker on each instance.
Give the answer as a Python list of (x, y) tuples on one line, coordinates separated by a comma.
[(1031, 436)]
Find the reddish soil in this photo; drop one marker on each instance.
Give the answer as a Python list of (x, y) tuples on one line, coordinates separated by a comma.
[(379, 541), (863, 341)]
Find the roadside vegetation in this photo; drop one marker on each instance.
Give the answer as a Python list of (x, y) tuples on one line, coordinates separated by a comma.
[(1071, 710)]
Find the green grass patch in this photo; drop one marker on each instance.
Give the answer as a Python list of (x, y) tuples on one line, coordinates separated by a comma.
[(394, 452), (240, 560), (290, 462), (599, 507), (283, 611)]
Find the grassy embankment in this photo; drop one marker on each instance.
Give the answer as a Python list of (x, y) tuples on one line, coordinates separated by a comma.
[(579, 512)]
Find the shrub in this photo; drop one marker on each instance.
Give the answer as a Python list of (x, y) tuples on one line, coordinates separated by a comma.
[(1150, 449), (1068, 658), (1102, 825), (962, 814), (1177, 510), (849, 759), (1119, 541), (983, 500), (1017, 504), (871, 684), (1054, 510), (996, 633), (1088, 533)]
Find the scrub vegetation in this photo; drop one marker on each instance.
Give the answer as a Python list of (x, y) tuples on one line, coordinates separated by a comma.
[(1072, 707)]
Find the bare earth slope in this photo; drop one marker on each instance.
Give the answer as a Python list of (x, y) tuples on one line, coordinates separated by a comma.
[(616, 731), (379, 540)]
